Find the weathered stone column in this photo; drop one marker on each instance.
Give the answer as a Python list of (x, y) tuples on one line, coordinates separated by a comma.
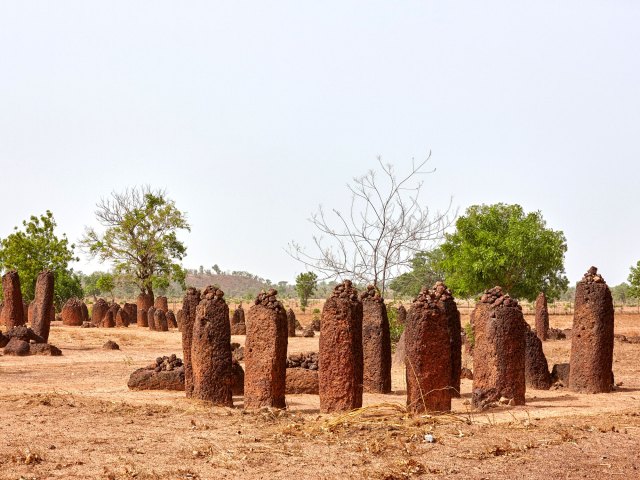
[(145, 300), (376, 343), (265, 356), (161, 303), (142, 317), (109, 320), (42, 305), (402, 315), (238, 325), (72, 314), (427, 355), (122, 317), (171, 319), (13, 310), (499, 350), (537, 374), (448, 304), (132, 312), (592, 336), (211, 349), (340, 372), (151, 315), (99, 310), (85, 312), (189, 305), (160, 321), (291, 323), (542, 317)]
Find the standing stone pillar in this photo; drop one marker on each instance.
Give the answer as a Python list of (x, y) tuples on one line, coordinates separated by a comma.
[(265, 354), (210, 360), (85, 312), (161, 303), (13, 311), (536, 372), (160, 321), (142, 319), (151, 318), (499, 350), (189, 305), (291, 323), (42, 304), (145, 300), (99, 310), (592, 336), (340, 373), (238, 325), (402, 315), (542, 317), (428, 355), (132, 312), (171, 319), (122, 317), (376, 343), (72, 313), (447, 303)]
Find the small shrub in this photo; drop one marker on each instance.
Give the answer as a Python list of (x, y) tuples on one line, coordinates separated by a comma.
[(468, 331), (395, 328), (316, 310)]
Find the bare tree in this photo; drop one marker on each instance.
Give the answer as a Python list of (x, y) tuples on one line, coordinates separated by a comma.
[(385, 227)]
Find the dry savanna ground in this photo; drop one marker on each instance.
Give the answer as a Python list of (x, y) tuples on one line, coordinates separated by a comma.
[(74, 417)]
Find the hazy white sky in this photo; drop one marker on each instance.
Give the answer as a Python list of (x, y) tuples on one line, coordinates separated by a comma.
[(253, 113)]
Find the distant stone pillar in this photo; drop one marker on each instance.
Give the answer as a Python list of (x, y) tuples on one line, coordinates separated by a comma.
[(72, 314), (448, 304), (536, 372), (171, 319), (210, 357), (265, 356), (427, 355), (85, 312), (340, 373), (189, 305), (291, 323), (542, 317), (42, 304), (160, 320), (132, 312), (98, 312), (592, 336), (109, 321), (142, 319), (376, 343), (161, 303), (179, 319), (499, 350), (13, 311), (122, 318), (238, 325), (402, 315), (151, 318)]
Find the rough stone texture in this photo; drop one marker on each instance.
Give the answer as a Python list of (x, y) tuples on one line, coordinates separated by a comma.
[(110, 345), (144, 301), (308, 331), (307, 360), (72, 314), (556, 334), (25, 312), (376, 343), (341, 359), (17, 347), (291, 323), (143, 318), (301, 380), (132, 312), (238, 324), (42, 304), (542, 317), (189, 305), (3, 340), (122, 318), (30, 311), (237, 378), (402, 315), (13, 310), (265, 353), (447, 303), (237, 352), (99, 310), (592, 336), (560, 373), (149, 379), (466, 373), (211, 350), (536, 372), (161, 303), (499, 350), (45, 349), (160, 321), (109, 321), (171, 320), (85, 313), (179, 319), (24, 333), (151, 318), (428, 353), (400, 353), (315, 324)]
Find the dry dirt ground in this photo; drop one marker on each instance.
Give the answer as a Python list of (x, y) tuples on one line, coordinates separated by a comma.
[(74, 417)]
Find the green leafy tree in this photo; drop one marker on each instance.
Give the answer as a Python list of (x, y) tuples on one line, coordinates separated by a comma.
[(502, 245), (425, 271), (35, 248), (140, 238), (106, 283), (634, 281), (306, 284)]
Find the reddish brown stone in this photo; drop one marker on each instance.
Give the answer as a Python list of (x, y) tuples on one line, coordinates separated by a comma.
[(399, 355), (108, 321), (44, 349), (542, 317), (238, 324), (132, 312), (301, 380), (122, 318), (308, 332), (72, 314), (85, 312), (13, 311), (592, 336), (160, 321), (99, 310), (42, 304), (179, 319), (265, 353), (341, 361), (151, 318), (171, 320), (189, 306), (161, 303), (30, 311), (142, 319), (145, 300), (211, 350), (148, 379), (537, 374), (499, 350), (427, 346), (447, 303), (402, 315), (376, 343), (291, 323), (17, 347)]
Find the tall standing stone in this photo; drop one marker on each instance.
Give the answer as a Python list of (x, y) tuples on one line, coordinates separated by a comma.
[(211, 360), (542, 317), (85, 312), (592, 336), (151, 318), (145, 301), (428, 354), (72, 314), (13, 311), (499, 350), (340, 373), (189, 305), (162, 303), (160, 320), (376, 343), (99, 310), (536, 373), (171, 319), (402, 315), (42, 304), (122, 318), (132, 312), (265, 354), (448, 304), (238, 325), (142, 319), (291, 323)]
